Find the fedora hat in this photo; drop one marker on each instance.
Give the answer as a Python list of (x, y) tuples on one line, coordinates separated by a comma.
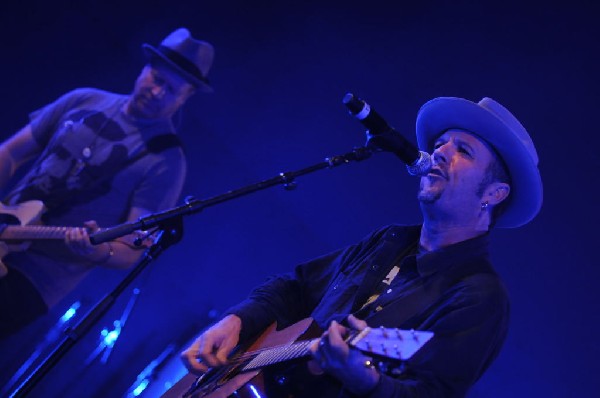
[(191, 58), (494, 124)]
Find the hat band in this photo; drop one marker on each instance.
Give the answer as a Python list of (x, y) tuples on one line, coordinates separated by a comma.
[(183, 63)]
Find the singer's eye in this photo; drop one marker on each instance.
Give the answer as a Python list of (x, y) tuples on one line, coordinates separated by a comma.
[(465, 151), (438, 144)]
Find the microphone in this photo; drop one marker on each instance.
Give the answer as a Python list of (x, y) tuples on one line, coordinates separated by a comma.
[(383, 137)]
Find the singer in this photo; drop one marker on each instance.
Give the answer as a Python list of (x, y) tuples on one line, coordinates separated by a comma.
[(436, 276)]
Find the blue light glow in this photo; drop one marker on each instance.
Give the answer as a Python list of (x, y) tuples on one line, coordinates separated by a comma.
[(140, 388), (255, 391), (110, 337), (70, 312)]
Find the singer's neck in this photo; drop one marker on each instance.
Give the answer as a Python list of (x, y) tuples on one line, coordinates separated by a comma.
[(438, 234), (446, 224)]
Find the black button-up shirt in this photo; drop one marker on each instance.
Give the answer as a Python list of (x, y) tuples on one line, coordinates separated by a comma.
[(453, 292)]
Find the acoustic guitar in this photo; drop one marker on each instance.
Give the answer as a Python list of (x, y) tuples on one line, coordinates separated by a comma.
[(243, 376)]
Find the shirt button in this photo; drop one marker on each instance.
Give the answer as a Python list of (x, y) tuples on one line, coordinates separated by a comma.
[(389, 291), (374, 267), (335, 287)]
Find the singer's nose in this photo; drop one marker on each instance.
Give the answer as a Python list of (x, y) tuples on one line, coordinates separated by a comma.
[(438, 155)]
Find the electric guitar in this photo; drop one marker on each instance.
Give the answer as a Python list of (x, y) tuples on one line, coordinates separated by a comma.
[(243, 376), (17, 220), (17, 225)]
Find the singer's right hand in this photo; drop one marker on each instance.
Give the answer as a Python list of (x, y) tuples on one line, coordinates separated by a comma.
[(213, 346)]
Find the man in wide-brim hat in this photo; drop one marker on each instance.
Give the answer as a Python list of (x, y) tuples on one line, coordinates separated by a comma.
[(512, 148), (435, 277)]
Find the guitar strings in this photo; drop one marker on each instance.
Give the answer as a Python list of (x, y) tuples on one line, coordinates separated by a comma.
[(214, 377), (248, 356)]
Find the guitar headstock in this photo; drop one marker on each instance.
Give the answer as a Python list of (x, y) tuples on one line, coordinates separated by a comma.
[(390, 343)]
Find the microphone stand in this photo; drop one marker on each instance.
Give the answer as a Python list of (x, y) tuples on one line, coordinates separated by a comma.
[(170, 226), (192, 205), (170, 233)]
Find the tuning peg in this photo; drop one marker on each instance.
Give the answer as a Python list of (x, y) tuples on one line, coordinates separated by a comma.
[(415, 336), (399, 334), (384, 332)]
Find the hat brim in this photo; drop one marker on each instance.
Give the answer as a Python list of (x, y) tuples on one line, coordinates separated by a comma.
[(151, 51), (441, 114)]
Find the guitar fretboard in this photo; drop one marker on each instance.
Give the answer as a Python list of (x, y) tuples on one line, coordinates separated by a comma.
[(274, 355), (32, 232)]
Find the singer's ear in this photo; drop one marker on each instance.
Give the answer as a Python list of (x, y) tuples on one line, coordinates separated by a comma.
[(496, 192)]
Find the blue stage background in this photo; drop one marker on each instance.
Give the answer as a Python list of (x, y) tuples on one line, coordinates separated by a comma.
[(280, 73)]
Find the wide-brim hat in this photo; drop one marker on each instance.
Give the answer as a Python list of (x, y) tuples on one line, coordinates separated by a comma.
[(499, 128), (189, 57)]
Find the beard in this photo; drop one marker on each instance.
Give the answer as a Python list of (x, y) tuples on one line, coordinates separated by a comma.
[(427, 193), (429, 197)]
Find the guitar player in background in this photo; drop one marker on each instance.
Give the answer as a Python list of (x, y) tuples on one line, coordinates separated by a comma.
[(432, 277), (99, 158)]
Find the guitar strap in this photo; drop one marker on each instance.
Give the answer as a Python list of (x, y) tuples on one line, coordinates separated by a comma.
[(398, 313), (394, 315), (372, 284)]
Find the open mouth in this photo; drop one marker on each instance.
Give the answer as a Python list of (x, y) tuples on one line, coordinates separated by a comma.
[(436, 173)]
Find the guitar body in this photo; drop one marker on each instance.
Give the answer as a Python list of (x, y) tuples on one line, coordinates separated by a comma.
[(24, 213), (248, 384), (274, 366)]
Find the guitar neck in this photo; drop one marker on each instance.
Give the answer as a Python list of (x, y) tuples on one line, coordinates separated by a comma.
[(393, 344), (32, 232), (275, 355)]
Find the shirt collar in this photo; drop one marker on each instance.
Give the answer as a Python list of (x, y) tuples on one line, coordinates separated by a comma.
[(437, 260)]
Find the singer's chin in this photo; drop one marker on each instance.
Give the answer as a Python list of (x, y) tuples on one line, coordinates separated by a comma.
[(427, 193)]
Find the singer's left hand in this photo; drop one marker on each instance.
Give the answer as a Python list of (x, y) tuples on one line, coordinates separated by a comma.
[(346, 364)]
